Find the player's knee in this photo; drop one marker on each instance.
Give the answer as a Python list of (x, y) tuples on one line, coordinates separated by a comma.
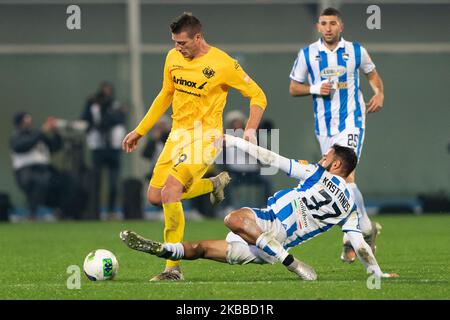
[(171, 193), (233, 221)]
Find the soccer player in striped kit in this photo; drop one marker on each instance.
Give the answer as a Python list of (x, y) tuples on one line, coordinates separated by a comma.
[(331, 66), (292, 216)]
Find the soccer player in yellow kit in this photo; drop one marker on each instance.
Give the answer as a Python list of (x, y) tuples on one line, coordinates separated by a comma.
[(196, 81)]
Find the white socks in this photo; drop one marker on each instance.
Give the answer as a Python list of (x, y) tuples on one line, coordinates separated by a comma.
[(174, 251), (271, 246)]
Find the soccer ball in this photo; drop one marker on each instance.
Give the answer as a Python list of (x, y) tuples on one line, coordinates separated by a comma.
[(100, 264)]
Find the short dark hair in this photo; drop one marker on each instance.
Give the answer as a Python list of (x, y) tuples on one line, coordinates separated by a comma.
[(186, 22), (347, 156), (331, 12)]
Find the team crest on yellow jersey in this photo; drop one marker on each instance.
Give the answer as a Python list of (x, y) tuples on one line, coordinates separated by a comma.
[(208, 72)]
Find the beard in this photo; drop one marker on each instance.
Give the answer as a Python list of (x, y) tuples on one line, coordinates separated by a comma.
[(328, 167), (332, 40)]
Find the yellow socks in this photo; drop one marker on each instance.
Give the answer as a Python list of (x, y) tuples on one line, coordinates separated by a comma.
[(173, 226), (198, 188), (174, 215)]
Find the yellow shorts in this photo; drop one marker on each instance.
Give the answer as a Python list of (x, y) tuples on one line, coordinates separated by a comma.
[(186, 161)]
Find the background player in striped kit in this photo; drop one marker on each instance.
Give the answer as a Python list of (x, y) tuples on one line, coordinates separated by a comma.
[(292, 216), (331, 66)]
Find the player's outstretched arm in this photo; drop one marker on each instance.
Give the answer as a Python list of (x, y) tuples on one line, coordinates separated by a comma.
[(267, 157), (365, 255), (156, 111)]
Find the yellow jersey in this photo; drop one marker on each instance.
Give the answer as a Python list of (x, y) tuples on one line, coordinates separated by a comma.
[(197, 90)]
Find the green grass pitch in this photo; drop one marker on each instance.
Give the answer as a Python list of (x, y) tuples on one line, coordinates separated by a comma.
[(34, 258)]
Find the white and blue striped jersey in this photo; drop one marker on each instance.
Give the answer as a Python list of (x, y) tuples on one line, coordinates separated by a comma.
[(320, 201), (344, 107)]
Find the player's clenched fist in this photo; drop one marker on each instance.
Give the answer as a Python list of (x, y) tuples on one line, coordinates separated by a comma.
[(130, 141)]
